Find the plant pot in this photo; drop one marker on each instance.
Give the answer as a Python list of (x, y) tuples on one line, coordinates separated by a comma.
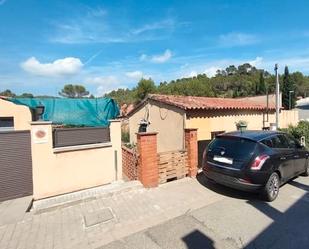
[(241, 127)]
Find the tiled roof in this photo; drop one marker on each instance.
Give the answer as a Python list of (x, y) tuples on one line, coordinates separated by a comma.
[(206, 103)]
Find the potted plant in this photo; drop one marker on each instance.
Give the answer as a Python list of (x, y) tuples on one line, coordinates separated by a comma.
[(241, 125)]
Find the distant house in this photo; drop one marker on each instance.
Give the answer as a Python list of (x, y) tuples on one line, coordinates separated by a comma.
[(14, 117), (303, 108), (169, 115)]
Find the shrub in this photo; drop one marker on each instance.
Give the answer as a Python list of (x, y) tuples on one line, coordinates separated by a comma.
[(125, 137), (302, 129)]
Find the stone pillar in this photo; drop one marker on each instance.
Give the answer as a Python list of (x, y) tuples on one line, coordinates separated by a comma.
[(115, 135), (148, 171), (191, 147), (42, 158)]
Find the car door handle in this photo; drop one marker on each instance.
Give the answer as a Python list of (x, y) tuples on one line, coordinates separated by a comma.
[(282, 158)]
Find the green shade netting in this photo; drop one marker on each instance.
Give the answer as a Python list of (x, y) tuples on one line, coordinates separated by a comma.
[(80, 112)]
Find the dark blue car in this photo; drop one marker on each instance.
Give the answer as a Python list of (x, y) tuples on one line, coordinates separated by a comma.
[(255, 161)]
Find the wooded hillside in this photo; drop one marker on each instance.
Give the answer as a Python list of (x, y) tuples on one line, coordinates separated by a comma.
[(241, 81)]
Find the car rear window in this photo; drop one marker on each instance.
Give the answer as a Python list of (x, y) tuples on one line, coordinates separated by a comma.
[(236, 148)]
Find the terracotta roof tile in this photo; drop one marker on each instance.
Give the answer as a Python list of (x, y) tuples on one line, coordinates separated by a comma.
[(206, 103)]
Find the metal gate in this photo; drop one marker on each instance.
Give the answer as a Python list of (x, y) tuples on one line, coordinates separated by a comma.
[(15, 165)]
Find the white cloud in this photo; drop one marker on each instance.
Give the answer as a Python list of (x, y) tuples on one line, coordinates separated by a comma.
[(211, 71), (158, 58), (105, 84), (164, 24), (237, 39), (257, 62), (97, 26), (189, 74), (103, 80), (60, 67), (161, 58), (294, 64), (135, 75), (193, 74)]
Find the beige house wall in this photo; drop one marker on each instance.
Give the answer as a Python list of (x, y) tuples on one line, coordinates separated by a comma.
[(222, 120), (210, 121), (56, 173), (288, 117), (21, 114), (167, 120)]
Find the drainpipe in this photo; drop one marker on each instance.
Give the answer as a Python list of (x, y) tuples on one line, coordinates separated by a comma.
[(183, 131)]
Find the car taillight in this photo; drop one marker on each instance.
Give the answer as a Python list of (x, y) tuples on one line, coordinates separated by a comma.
[(258, 162)]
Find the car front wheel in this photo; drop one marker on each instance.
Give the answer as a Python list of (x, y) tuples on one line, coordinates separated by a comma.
[(271, 189), (306, 173)]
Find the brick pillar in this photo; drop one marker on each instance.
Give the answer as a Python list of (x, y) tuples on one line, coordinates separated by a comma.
[(191, 147), (148, 171)]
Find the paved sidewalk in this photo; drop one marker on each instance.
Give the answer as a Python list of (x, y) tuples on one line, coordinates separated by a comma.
[(95, 222), (13, 211), (239, 220)]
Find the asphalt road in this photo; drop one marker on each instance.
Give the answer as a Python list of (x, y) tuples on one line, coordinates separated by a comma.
[(239, 220)]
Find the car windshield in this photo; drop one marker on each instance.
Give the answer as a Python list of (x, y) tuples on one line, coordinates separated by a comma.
[(232, 147)]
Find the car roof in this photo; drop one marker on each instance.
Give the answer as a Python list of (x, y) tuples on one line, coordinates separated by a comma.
[(252, 135)]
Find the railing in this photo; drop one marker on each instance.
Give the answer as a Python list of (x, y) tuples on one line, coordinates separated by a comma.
[(63, 137)]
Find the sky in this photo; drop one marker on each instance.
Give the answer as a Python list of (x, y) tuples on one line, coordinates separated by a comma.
[(106, 45)]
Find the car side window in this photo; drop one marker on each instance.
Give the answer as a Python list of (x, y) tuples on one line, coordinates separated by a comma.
[(267, 142), (280, 142), (293, 143)]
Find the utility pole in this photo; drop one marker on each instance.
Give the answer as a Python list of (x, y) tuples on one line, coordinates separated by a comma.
[(277, 96)]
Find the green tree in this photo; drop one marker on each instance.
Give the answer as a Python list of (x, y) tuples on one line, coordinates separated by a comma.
[(74, 91), (261, 86), (288, 90), (231, 70), (246, 80), (244, 68), (302, 83), (26, 95), (144, 87), (7, 93), (122, 96)]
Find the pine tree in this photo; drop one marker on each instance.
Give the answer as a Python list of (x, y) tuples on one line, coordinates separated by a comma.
[(288, 90), (262, 86), (74, 91), (144, 87)]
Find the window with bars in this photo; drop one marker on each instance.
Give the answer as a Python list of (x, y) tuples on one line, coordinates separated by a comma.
[(6, 123), (215, 133)]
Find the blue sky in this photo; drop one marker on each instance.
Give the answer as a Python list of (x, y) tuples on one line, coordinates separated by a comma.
[(110, 44)]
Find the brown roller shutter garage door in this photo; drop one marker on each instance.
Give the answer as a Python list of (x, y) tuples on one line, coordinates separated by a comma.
[(15, 165)]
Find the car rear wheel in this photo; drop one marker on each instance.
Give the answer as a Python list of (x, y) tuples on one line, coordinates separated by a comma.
[(271, 189)]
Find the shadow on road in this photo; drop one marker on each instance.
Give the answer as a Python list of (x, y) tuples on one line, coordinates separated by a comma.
[(198, 240), (289, 229), (299, 185), (220, 189)]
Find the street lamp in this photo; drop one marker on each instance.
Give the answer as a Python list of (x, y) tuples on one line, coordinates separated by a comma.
[(290, 92)]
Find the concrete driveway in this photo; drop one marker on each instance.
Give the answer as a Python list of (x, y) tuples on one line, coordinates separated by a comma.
[(239, 220)]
